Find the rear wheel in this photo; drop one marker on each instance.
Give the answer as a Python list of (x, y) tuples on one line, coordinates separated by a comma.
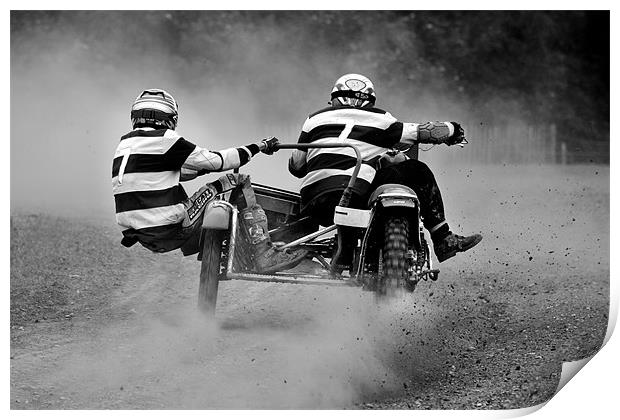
[(210, 271), (394, 267)]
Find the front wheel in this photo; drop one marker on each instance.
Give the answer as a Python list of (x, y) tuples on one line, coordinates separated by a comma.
[(396, 240), (210, 271)]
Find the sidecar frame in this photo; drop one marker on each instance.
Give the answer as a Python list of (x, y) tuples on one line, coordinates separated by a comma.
[(285, 203), (277, 201)]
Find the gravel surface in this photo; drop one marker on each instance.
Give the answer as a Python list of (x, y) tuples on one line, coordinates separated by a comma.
[(94, 325)]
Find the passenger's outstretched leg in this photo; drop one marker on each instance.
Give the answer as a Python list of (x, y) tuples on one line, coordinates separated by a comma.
[(254, 220)]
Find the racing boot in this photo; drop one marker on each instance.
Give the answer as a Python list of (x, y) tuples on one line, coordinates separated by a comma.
[(267, 259), (451, 244)]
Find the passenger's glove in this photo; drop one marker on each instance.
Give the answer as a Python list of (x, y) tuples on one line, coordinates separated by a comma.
[(458, 136), (267, 146)]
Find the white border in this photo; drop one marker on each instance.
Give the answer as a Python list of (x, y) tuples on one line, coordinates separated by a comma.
[(593, 394)]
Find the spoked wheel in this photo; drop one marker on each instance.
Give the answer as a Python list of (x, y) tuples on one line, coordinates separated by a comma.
[(210, 271), (394, 259)]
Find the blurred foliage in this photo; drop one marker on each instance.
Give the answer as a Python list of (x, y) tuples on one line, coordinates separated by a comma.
[(545, 67)]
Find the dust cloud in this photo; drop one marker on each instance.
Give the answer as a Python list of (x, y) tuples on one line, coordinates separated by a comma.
[(70, 101), (341, 349), (286, 346)]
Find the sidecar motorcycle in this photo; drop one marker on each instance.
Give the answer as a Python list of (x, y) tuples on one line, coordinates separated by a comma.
[(390, 254)]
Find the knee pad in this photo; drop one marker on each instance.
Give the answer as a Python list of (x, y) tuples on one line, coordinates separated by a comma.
[(195, 205)]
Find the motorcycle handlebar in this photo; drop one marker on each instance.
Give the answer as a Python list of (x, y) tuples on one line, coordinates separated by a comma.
[(346, 195)]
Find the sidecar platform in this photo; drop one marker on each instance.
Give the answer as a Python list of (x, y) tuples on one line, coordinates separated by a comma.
[(308, 279), (235, 269)]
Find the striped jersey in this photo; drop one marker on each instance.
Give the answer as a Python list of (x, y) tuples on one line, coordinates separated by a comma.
[(146, 173), (372, 130)]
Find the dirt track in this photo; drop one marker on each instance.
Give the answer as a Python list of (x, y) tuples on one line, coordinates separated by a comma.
[(489, 334)]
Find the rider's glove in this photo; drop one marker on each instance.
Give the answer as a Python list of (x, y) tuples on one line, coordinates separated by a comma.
[(391, 157), (458, 136), (267, 146)]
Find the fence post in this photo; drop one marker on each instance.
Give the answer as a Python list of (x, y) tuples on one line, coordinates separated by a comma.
[(563, 153), (531, 143), (542, 154), (553, 138), (537, 151)]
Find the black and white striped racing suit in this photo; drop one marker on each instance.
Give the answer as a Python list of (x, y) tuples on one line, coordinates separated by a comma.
[(326, 172), (151, 204)]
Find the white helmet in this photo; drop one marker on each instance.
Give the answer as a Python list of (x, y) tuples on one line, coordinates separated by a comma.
[(354, 90), (155, 107)]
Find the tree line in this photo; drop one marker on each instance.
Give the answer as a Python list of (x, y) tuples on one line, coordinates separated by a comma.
[(539, 66)]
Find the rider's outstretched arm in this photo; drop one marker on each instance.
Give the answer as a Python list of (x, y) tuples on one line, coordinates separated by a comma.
[(204, 160), (432, 132)]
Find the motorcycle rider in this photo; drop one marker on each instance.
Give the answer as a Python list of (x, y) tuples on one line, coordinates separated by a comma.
[(152, 206), (353, 118)]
